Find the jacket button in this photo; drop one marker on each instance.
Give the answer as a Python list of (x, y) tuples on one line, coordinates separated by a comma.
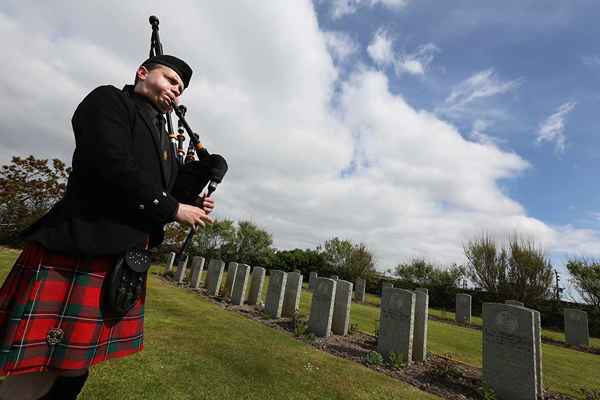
[(141, 206), (155, 201), (164, 194)]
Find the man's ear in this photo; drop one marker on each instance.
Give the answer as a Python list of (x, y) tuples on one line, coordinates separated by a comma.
[(142, 73)]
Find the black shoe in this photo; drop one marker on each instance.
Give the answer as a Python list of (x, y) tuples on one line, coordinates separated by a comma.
[(66, 387)]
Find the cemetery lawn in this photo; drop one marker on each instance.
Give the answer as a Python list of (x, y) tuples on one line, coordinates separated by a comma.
[(551, 334), (564, 370), (196, 350)]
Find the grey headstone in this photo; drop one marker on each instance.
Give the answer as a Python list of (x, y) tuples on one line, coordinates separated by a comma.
[(231, 275), (258, 279), (514, 303), (341, 308), (293, 290), (312, 280), (577, 332), (171, 261), (215, 275), (241, 282), (181, 269), (420, 331), (422, 290), (396, 323), (197, 268), (359, 290), (321, 308), (274, 301), (537, 337), (509, 351), (463, 308), (335, 277), (386, 284)]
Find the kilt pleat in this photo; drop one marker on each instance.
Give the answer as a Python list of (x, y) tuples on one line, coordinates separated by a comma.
[(51, 316)]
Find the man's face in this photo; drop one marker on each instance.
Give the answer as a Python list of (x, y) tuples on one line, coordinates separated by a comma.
[(162, 86)]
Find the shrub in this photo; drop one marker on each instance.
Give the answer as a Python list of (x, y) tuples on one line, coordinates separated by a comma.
[(374, 358), (299, 325), (590, 394), (395, 360)]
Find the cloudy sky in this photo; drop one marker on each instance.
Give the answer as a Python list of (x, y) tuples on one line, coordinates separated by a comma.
[(408, 125)]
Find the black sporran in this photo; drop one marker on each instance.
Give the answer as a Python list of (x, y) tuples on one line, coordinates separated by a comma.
[(126, 282)]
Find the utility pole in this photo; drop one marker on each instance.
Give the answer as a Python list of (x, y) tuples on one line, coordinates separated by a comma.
[(558, 288)]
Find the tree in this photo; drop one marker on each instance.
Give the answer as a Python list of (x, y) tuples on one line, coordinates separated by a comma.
[(250, 245), (30, 187), (529, 273), (421, 272), (211, 240), (337, 253), (486, 266), (303, 260), (417, 270), (520, 271), (585, 275), (347, 260), (361, 263)]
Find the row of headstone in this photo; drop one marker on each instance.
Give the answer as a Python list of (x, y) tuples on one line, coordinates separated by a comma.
[(576, 321), (512, 356), (512, 351)]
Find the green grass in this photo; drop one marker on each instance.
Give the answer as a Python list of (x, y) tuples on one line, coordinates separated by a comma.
[(565, 370), (196, 350), (552, 334)]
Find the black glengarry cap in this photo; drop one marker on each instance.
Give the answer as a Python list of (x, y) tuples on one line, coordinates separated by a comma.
[(176, 64)]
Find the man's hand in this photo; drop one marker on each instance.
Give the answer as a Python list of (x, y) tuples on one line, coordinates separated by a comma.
[(193, 216), (208, 204)]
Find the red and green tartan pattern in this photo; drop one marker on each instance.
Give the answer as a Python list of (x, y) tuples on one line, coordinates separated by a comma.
[(44, 291)]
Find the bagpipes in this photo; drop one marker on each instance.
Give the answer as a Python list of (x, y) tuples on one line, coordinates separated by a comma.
[(207, 169)]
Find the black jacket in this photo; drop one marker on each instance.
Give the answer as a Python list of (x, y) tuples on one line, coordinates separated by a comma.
[(118, 193)]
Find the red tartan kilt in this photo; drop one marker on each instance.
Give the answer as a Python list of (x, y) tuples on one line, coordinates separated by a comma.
[(48, 296)]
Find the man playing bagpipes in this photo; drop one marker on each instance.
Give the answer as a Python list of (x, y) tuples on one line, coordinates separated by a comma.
[(63, 306)]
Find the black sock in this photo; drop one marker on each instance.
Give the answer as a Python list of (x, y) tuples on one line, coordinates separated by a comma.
[(66, 387)]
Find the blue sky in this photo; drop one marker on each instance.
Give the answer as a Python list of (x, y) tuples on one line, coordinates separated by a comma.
[(550, 48)]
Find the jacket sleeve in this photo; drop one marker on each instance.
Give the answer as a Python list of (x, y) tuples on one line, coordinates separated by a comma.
[(104, 139)]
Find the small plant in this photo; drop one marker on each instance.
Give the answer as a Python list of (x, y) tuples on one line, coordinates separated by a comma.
[(169, 274), (590, 394), (374, 358), (353, 328), (222, 289), (395, 360), (299, 325), (446, 370), (487, 392)]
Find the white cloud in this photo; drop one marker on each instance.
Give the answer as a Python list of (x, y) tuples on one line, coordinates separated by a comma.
[(381, 51), (553, 128), (416, 63), (261, 96), (591, 60), (340, 8), (481, 85), (340, 45), (478, 133)]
